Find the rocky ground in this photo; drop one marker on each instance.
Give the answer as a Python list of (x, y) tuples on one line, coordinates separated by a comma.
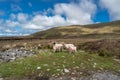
[(105, 75), (92, 76), (13, 54)]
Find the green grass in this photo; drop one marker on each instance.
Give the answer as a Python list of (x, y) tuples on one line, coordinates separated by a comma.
[(54, 63)]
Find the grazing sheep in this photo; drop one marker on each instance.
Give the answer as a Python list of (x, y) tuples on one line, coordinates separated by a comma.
[(39, 46), (68, 45), (57, 47), (25, 45), (14, 45), (72, 49), (5, 47)]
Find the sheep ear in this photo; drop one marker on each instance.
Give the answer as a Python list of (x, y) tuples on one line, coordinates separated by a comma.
[(53, 42)]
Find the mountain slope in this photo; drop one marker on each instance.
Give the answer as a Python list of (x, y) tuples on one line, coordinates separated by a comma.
[(100, 30)]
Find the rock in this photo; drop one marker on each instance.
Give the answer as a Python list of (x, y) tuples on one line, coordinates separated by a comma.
[(1, 78), (58, 69), (45, 65), (1, 61), (48, 70), (104, 76), (13, 54), (6, 58), (66, 70), (38, 67), (73, 78)]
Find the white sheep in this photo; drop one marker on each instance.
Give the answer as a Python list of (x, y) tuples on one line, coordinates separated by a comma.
[(68, 45), (36, 47), (72, 49), (57, 47)]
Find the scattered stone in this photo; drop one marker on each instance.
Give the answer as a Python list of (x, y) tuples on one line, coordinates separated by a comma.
[(81, 73), (101, 68), (38, 67), (81, 63), (94, 66), (48, 70), (76, 67), (1, 78), (73, 73), (82, 51), (54, 63), (73, 78), (73, 62), (95, 63), (61, 78), (45, 65), (63, 56), (66, 70), (58, 69)]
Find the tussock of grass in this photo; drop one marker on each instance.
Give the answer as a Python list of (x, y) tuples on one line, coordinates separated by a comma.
[(45, 62)]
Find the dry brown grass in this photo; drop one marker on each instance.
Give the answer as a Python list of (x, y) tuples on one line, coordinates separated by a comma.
[(46, 43), (86, 30), (106, 47)]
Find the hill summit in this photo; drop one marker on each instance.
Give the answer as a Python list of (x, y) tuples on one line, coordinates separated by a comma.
[(99, 30)]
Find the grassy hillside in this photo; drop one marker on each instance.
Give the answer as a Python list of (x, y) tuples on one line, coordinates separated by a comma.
[(100, 30), (48, 63)]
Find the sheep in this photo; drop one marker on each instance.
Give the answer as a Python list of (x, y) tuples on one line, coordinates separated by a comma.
[(68, 45), (25, 45), (5, 47), (36, 47), (39, 46), (57, 47), (14, 45), (72, 49)]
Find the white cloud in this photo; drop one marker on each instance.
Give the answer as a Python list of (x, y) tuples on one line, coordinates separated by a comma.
[(113, 7), (47, 21), (80, 13), (10, 23), (31, 26), (22, 17), (24, 34), (8, 30), (44, 22)]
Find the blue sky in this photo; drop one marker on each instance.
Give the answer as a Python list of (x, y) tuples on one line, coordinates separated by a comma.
[(23, 17)]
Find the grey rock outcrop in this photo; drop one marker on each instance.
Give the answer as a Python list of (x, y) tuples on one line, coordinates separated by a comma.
[(13, 54)]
